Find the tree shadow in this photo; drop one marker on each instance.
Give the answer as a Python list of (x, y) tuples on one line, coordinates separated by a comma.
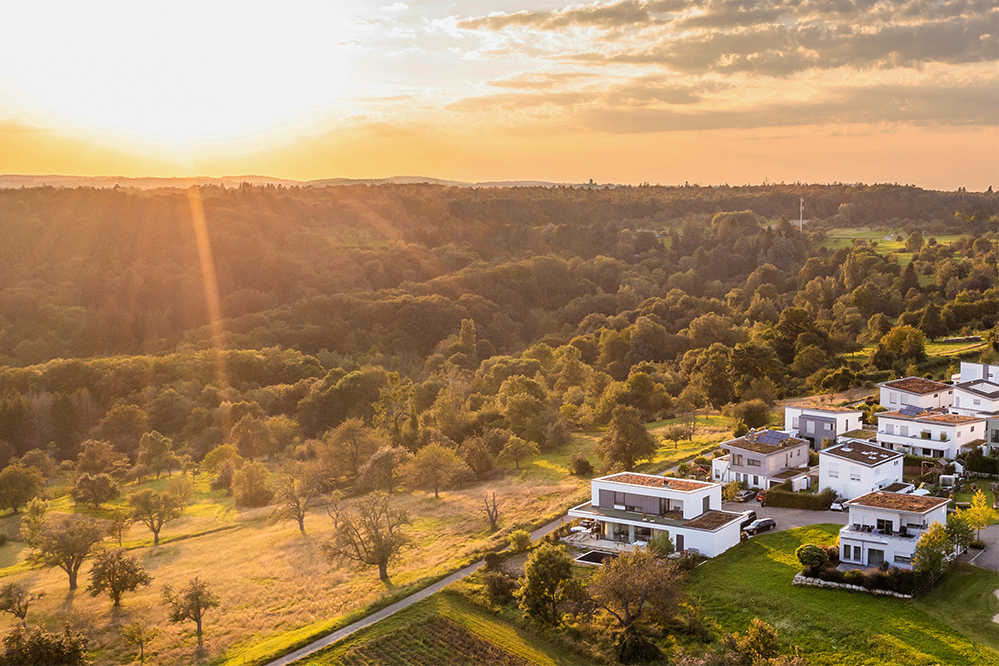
[(67, 602)]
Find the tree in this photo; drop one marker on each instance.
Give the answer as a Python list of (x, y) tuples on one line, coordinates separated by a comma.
[(114, 572), (139, 634), (98, 457), (492, 512), (369, 531), (215, 458), (123, 426), (932, 551), (914, 242), (979, 514), (251, 437), (65, 542), (249, 485), (38, 646), (14, 599), (436, 467), (661, 544), (95, 489), (384, 469), (625, 584), (517, 449), (753, 413), (19, 485), (959, 531), (118, 525), (156, 453), (191, 603), (296, 493), (348, 446), (154, 509), (547, 583), (627, 441), (759, 645), (932, 324)]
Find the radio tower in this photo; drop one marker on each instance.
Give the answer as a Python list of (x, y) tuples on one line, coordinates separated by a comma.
[(801, 214)]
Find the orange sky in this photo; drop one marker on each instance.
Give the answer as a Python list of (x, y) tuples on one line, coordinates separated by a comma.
[(716, 91)]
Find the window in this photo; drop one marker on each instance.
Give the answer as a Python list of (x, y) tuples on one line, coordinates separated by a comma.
[(847, 555), (976, 402), (619, 499), (902, 559), (905, 399), (737, 460), (794, 422), (827, 426), (892, 397), (756, 480), (855, 475), (753, 462), (834, 470), (810, 427)]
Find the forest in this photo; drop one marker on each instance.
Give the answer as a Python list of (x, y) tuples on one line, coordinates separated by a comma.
[(372, 338)]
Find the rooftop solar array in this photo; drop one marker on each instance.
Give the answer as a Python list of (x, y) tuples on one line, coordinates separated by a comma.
[(771, 437), (911, 410)]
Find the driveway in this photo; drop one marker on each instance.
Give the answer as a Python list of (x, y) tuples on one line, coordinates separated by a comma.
[(787, 519), (988, 558)]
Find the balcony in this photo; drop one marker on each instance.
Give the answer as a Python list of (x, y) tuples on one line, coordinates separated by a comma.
[(869, 533)]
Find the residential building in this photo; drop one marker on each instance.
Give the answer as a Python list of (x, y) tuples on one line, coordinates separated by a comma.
[(915, 391), (992, 440), (763, 459), (885, 527), (972, 371), (856, 468), (818, 423), (931, 433), (630, 508), (976, 397)]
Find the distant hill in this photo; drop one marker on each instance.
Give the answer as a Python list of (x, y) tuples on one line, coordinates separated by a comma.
[(14, 181)]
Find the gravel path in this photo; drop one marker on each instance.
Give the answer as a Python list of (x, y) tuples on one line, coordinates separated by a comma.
[(343, 632)]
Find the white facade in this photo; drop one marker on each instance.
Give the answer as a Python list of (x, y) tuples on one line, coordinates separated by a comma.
[(916, 391), (885, 527), (631, 508), (764, 459), (816, 423), (856, 468), (977, 397), (971, 371), (931, 434)]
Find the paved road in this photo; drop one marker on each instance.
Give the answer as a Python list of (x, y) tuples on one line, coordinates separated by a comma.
[(787, 519), (988, 558), (343, 632)]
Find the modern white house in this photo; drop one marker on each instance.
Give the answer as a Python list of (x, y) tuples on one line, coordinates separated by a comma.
[(972, 371), (630, 508), (884, 527), (931, 433), (763, 459), (992, 440), (976, 397), (856, 468), (915, 391), (817, 423)]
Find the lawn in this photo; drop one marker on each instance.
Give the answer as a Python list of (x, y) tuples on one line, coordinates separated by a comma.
[(835, 627), (444, 629)]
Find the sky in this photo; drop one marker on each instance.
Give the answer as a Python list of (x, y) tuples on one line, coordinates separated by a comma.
[(659, 91)]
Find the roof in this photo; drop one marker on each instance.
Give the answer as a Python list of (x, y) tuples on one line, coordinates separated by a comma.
[(865, 454), (712, 520), (916, 385), (792, 472), (898, 502), (651, 481), (823, 408), (932, 416), (896, 487), (980, 387), (860, 434), (764, 441)]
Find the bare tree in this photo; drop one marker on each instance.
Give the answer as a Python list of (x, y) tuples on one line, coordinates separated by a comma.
[(492, 511), (368, 532)]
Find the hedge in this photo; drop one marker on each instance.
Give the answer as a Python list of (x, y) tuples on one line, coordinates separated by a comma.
[(791, 500), (903, 581)]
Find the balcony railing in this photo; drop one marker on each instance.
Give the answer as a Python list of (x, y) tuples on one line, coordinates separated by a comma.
[(861, 531)]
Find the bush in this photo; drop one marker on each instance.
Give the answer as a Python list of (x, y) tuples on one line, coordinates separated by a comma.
[(812, 556), (833, 552), (810, 501), (249, 486), (520, 540), (3, 539), (493, 561), (634, 648), (499, 587), (977, 544), (903, 581), (579, 465)]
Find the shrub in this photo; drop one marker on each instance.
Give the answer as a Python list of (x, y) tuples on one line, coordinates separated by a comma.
[(3, 539), (977, 544), (579, 465), (833, 552), (493, 561), (812, 556), (854, 577), (634, 648), (810, 501), (499, 587), (520, 540)]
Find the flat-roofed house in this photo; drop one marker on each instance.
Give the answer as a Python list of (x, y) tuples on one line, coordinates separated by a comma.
[(855, 468), (630, 508), (970, 371), (976, 397), (763, 459), (884, 527), (931, 433), (818, 423), (915, 391)]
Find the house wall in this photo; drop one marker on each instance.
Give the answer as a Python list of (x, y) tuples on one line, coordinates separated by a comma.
[(647, 498), (969, 404), (719, 469), (971, 371), (893, 399), (774, 463), (897, 551), (906, 435), (816, 424), (851, 480)]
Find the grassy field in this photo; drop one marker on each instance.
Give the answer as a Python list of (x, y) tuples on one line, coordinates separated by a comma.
[(443, 630), (834, 627)]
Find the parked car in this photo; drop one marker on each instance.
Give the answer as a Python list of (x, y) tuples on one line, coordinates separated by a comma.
[(747, 519), (838, 504), (744, 496), (761, 496), (761, 525)]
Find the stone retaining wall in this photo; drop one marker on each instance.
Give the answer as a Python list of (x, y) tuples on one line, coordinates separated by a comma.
[(800, 579)]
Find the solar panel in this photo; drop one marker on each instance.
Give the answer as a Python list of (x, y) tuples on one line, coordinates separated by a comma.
[(910, 410)]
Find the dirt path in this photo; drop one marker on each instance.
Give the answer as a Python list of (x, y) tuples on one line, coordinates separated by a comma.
[(343, 632), (996, 618)]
